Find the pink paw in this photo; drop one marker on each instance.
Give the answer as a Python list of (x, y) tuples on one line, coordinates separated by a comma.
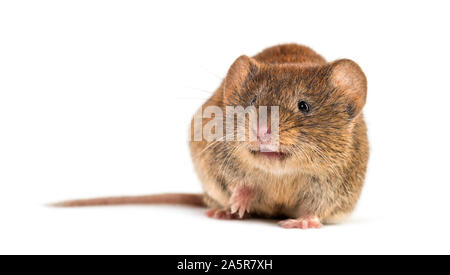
[(302, 223), (240, 201), (221, 214)]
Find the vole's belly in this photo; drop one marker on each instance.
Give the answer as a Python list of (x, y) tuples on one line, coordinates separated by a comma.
[(278, 196)]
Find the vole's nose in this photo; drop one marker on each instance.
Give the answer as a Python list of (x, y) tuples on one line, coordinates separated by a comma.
[(264, 134)]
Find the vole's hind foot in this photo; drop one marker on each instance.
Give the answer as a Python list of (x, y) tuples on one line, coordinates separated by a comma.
[(302, 223), (240, 201), (222, 214)]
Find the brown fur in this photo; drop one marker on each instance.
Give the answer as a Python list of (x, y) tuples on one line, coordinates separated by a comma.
[(328, 147)]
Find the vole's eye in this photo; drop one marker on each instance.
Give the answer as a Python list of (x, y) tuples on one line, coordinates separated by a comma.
[(253, 101), (303, 106)]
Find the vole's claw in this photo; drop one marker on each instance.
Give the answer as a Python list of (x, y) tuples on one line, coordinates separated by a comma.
[(221, 214), (238, 210), (240, 201), (302, 223), (234, 208)]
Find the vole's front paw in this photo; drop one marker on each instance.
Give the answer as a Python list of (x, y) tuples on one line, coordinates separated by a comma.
[(221, 214), (302, 223), (240, 201)]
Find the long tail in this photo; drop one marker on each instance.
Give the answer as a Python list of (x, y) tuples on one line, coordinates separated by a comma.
[(174, 199)]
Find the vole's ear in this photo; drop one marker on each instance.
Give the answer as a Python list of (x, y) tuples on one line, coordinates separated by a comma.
[(238, 73), (350, 80)]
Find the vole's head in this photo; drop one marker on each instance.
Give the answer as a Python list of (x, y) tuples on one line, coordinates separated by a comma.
[(317, 105)]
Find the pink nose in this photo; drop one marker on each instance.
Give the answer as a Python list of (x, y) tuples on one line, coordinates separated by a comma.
[(264, 134)]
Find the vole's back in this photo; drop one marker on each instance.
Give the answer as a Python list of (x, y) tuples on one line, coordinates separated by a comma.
[(290, 53)]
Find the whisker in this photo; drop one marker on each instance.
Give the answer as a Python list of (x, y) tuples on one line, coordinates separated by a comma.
[(197, 89), (214, 143), (210, 72)]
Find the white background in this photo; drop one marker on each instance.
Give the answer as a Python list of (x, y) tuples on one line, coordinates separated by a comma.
[(96, 96)]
